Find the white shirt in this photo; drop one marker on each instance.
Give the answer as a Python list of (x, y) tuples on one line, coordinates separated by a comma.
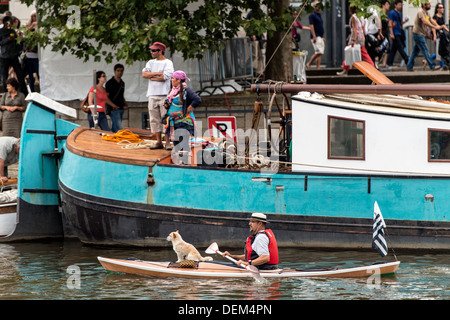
[(7, 150), (159, 88), (372, 25), (261, 244)]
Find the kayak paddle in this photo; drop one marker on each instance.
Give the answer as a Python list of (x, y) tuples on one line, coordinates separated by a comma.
[(214, 248)]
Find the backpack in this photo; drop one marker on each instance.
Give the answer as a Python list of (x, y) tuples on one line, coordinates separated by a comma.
[(85, 104)]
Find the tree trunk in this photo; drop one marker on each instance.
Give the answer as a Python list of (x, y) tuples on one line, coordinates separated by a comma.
[(280, 67)]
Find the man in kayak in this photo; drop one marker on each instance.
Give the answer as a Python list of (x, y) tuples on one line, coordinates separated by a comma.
[(261, 248)]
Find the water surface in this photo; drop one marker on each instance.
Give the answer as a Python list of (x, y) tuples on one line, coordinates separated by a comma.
[(43, 271)]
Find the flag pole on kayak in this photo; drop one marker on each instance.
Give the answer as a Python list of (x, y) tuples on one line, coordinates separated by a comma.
[(378, 236)]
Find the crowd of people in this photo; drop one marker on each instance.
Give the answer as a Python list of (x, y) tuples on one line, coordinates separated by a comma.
[(18, 66), (170, 101), (381, 36), (384, 37)]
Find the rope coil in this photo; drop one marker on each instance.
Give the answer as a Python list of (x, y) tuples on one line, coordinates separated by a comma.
[(123, 135)]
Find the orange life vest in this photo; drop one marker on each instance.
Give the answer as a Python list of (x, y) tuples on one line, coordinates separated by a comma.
[(273, 248)]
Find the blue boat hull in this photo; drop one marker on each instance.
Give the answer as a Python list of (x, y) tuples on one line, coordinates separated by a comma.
[(206, 205)]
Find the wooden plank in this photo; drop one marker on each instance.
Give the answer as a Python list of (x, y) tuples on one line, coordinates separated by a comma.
[(88, 143), (372, 73)]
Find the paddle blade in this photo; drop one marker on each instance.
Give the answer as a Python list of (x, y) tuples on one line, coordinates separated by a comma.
[(213, 248), (254, 271)]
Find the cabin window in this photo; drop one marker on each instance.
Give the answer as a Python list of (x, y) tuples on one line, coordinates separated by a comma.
[(346, 138), (438, 145)]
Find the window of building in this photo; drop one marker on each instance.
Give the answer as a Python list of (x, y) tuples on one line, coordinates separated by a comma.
[(438, 145), (346, 138)]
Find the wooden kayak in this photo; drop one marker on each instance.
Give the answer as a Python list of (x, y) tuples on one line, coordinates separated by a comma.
[(211, 270)]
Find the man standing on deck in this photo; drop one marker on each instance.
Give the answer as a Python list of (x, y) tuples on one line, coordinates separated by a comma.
[(261, 248), (9, 154), (158, 71)]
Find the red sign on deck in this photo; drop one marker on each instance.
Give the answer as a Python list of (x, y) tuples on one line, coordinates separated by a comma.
[(222, 127)]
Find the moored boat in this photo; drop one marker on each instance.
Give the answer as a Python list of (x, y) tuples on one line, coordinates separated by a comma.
[(8, 210), (38, 213), (345, 156), (208, 270)]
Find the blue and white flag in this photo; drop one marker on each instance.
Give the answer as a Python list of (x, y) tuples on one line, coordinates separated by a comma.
[(378, 240)]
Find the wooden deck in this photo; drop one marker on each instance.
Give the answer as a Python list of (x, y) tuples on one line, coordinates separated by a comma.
[(88, 143)]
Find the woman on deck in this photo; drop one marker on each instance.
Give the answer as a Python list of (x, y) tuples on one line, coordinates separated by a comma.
[(12, 105), (180, 103), (102, 99)]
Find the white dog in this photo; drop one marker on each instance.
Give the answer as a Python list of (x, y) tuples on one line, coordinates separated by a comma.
[(184, 250)]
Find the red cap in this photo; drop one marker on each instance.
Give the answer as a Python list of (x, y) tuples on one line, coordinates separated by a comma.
[(158, 45)]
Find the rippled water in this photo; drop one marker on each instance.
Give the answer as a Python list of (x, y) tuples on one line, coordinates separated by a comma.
[(42, 271)]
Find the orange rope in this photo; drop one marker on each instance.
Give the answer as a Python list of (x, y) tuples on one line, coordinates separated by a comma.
[(123, 135)]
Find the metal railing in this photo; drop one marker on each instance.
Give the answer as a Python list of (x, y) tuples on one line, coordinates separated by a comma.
[(234, 62)]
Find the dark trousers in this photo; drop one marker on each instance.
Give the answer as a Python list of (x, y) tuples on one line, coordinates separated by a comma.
[(32, 65), (14, 63), (397, 45)]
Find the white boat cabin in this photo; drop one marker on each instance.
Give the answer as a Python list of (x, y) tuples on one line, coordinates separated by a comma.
[(370, 134)]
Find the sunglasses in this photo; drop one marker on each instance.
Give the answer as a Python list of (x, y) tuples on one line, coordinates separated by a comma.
[(155, 50), (440, 7)]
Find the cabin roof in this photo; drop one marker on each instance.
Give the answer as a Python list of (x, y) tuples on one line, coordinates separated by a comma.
[(388, 104)]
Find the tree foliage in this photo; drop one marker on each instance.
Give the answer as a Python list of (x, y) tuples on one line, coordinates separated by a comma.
[(89, 28), (86, 27)]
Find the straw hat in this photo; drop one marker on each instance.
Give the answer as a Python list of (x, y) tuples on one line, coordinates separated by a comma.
[(259, 216)]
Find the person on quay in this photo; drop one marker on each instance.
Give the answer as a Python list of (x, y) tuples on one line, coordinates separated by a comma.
[(385, 5), (296, 29), (397, 34), (374, 35), (9, 154), (31, 55), (102, 100), (115, 87), (356, 37), (261, 248), (422, 22), (158, 71), (9, 55), (13, 106), (180, 104), (439, 19), (317, 36)]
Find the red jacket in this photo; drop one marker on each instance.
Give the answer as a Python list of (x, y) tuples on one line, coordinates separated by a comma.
[(273, 248)]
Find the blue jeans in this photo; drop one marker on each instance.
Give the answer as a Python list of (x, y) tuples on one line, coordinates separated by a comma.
[(116, 119), (102, 121), (441, 62), (419, 44)]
